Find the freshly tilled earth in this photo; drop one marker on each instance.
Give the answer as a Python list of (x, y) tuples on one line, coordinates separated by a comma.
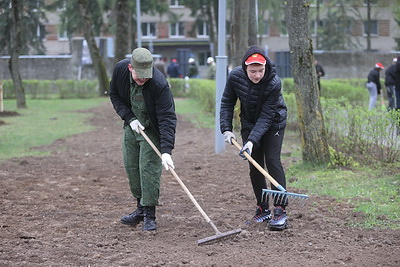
[(64, 210)]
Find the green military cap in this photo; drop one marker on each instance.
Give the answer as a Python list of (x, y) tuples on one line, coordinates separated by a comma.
[(142, 62)]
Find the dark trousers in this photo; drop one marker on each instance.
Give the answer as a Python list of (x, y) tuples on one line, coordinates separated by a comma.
[(268, 155)]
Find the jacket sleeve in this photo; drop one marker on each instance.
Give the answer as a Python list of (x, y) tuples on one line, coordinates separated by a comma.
[(119, 93), (228, 102), (166, 118)]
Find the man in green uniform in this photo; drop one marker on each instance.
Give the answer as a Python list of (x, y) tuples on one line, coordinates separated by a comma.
[(141, 96)]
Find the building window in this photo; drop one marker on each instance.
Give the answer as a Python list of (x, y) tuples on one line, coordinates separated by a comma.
[(314, 26), (283, 29), (374, 28), (177, 30), (202, 29), (264, 29), (371, 2), (149, 30), (175, 3), (41, 32), (202, 56)]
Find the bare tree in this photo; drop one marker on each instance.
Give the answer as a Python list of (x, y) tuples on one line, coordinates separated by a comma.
[(313, 135), (98, 62), (123, 25), (13, 64), (239, 30)]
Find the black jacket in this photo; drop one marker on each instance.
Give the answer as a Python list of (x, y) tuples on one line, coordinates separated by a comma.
[(390, 75), (397, 79), (262, 106), (157, 97), (373, 76)]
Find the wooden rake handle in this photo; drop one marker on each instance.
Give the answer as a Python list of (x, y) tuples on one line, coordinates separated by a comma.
[(181, 183), (261, 169)]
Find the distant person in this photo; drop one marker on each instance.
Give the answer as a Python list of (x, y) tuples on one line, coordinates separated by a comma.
[(397, 83), (160, 65), (193, 72), (374, 84), (397, 91), (173, 69), (320, 73), (211, 72), (390, 75)]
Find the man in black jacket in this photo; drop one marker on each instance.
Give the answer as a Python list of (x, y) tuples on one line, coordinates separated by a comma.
[(390, 77), (141, 96), (263, 116), (374, 84)]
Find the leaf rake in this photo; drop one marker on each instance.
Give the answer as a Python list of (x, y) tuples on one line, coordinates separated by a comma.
[(280, 196)]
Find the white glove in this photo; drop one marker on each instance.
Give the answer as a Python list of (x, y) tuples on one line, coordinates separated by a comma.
[(228, 135), (248, 147), (166, 161), (135, 125)]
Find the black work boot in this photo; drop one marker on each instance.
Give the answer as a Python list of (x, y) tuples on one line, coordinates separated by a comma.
[(149, 223), (135, 217)]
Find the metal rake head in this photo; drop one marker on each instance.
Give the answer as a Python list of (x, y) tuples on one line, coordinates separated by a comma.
[(283, 196)]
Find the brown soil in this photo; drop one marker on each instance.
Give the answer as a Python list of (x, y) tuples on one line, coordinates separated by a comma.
[(64, 210)]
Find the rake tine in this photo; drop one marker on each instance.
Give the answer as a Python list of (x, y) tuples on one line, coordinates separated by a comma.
[(282, 193)]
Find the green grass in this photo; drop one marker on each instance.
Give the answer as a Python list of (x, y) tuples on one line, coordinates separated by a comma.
[(369, 190), (43, 122), (194, 112)]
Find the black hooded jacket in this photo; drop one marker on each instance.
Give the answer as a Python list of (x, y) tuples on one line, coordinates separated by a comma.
[(262, 106), (157, 98)]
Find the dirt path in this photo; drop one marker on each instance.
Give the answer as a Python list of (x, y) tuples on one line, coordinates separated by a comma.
[(64, 210)]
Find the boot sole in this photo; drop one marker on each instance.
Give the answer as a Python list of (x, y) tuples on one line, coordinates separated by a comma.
[(131, 223)]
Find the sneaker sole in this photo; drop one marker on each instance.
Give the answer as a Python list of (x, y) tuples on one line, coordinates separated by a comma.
[(278, 227), (262, 219)]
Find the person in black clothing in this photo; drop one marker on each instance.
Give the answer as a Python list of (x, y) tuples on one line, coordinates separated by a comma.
[(263, 121), (374, 84), (141, 96), (173, 69), (320, 73), (397, 83), (397, 90), (390, 74)]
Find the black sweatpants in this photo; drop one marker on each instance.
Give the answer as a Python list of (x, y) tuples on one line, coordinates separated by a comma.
[(268, 155)]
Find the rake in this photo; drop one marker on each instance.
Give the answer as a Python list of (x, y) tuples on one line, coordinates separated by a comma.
[(211, 239), (281, 195)]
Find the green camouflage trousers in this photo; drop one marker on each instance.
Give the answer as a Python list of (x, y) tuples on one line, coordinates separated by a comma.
[(142, 165)]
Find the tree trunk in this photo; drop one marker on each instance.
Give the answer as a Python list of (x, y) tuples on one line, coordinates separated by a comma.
[(369, 25), (13, 64), (240, 31), (253, 29), (98, 62), (313, 135), (122, 24)]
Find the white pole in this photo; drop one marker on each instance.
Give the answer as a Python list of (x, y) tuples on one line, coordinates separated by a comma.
[(138, 24), (222, 61)]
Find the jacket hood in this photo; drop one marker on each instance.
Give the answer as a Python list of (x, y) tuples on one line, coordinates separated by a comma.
[(269, 69)]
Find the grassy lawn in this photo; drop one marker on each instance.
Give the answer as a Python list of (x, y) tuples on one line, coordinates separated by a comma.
[(41, 123)]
